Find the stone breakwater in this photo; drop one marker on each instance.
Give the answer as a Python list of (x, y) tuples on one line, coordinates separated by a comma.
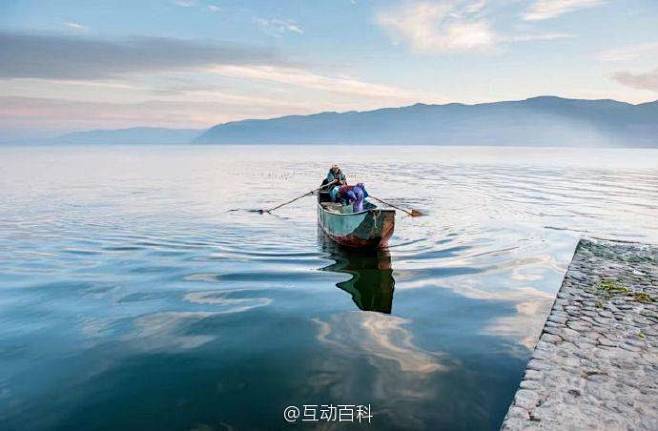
[(595, 366)]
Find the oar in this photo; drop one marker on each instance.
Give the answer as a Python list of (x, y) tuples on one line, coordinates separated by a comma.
[(412, 213), (263, 211)]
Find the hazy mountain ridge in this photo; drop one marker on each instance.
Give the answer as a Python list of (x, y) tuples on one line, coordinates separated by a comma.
[(539, 121)]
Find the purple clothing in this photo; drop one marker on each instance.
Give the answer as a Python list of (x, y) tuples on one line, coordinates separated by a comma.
[(355, 195), (359, 195)]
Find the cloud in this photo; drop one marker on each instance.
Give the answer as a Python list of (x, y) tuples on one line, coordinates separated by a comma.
[(632, 52), (537, 36), (214, 8), (278, 27), (199, 98), (310, 80), (439, 27), (450, 26), (640, 81), (76, 26), (545, 9), (76, 58), (475, 6), (185, 3), (64, 114)]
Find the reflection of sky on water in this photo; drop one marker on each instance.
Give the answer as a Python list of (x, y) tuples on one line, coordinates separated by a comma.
[(376, 337), (128, 284), (162, 330), (400, 370), (228, 305)]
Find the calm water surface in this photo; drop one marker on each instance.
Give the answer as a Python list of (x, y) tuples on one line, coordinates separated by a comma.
[(132, 297)]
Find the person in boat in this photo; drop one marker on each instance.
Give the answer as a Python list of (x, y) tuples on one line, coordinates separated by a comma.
[(334, 180), (353, 195)]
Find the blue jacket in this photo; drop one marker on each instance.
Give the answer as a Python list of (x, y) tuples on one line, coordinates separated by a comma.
[(331, 177)]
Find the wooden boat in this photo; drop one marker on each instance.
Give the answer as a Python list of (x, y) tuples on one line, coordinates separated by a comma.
[(370, 228)]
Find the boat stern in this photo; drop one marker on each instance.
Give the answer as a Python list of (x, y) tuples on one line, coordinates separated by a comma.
[(368, 229)]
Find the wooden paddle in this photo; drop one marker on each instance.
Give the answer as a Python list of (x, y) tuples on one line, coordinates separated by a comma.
[(263, 211), (412, 213)]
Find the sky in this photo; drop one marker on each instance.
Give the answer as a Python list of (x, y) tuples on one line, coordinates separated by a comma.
[(73, 65)]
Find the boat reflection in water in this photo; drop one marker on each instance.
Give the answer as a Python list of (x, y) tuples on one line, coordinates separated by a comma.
[(372, 283)]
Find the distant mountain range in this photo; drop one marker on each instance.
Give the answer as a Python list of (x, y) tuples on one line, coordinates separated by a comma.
[(538, 121)]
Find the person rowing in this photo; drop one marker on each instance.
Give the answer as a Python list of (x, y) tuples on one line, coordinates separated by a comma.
[(334, 179), (334, 188), (339, 191)]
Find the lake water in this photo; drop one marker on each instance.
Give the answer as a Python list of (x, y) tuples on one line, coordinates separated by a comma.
[(133, 298)]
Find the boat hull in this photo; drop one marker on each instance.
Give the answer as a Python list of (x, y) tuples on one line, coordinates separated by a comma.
[(368, 229)]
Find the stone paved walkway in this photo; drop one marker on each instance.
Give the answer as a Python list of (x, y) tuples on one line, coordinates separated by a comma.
[(595, 366)]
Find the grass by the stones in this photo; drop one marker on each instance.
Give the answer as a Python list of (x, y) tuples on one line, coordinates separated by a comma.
[(642, 297), (611, 286)]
